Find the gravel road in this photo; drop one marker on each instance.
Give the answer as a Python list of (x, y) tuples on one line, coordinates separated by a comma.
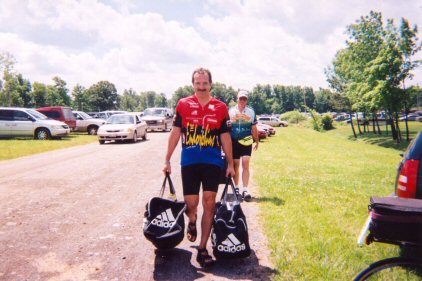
[(76, 214)]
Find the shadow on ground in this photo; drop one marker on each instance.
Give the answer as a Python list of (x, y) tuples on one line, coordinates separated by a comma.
[(176, 264)]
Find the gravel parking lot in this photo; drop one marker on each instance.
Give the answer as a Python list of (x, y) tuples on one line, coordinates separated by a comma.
[(76, 214)]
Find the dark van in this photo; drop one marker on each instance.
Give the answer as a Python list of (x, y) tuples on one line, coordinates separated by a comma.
[(60, 113)]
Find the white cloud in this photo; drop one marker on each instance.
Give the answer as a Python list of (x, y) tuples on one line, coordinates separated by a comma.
[(243, 42)]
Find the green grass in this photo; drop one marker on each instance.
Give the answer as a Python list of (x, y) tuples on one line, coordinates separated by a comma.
[(314, 192), (14, 148)]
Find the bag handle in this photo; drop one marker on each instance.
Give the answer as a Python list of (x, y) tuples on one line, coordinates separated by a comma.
[(171, 187), (230, 182)]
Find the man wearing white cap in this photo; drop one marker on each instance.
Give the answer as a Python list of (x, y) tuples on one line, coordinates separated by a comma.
[(243, 133)]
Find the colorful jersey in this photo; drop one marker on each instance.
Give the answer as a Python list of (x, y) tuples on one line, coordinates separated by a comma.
[(242, 122), (201, 129)]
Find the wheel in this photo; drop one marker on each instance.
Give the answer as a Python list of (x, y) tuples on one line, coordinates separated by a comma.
[(144, 137), (92, 130), (42, 134), (393, 269), (101, 141), (135, 137), (165, 128)]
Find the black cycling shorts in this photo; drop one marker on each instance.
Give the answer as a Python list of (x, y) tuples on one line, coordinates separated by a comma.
[(240, 150), (194, 175)]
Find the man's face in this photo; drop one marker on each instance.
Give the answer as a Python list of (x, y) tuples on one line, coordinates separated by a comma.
[(201, 83), (242, 100)]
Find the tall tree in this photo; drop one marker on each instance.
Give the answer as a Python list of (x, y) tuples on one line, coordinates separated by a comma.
[(103, 96), (40, 94), (9, 83), (61, 91), (80, 98)]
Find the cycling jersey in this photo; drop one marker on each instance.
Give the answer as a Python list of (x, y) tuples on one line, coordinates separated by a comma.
[(242, 122), (201, 129)]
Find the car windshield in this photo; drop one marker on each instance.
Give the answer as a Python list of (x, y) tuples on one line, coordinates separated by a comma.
[(84, 115), (121, 119), (154, 112), (36, 114)]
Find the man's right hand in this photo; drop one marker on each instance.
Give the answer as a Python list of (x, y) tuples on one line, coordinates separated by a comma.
[(167, 168)]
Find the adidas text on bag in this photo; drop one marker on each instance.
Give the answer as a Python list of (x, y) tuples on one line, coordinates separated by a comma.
[(165, 219), (231, 245)]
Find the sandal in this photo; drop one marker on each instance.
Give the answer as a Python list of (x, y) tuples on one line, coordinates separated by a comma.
[(191, 232), (204, 259)]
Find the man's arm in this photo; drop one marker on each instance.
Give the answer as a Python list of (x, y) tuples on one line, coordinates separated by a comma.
[(255, 136), (172, 143), (226, 142)]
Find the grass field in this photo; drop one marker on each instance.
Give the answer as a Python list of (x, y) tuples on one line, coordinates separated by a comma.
[(14, 148), (314, 192)]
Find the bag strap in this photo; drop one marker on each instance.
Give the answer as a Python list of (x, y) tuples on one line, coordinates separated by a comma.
[(171, 187), (230, 182)]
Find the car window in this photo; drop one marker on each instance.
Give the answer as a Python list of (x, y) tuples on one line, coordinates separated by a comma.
[(77, 116), (121, 119), (67, 112), (52, 114), (20, 115), (36, 114), (6, 115), (84, 115)]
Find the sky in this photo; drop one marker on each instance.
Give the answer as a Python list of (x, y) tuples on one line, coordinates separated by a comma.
[(154, 45)]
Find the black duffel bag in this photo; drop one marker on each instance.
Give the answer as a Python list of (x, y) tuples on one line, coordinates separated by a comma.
[(230, 239), (396, 220), (164, 222)]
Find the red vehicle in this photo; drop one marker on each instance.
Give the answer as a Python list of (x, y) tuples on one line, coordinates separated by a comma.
[(409, 176), (60, 113)]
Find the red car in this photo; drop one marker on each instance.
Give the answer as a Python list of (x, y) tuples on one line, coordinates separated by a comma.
[(409, 176), (262, 132), (60, 113)]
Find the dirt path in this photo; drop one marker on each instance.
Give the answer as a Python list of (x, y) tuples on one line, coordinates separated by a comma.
[(76, 214)]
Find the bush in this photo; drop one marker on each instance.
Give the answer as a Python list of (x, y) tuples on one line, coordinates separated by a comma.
[(293, 117), (316, 121), (327, 122)]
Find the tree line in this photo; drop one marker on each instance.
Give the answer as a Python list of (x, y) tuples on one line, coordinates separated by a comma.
[(265, 99)]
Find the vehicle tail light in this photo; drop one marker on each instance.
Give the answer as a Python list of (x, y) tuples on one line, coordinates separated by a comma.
[(407, 181)]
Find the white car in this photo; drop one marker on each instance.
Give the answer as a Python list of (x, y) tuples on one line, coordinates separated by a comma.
[(26, 122), (85, 123), (121, 127), (160, 118), (272, 121), (106, 114)]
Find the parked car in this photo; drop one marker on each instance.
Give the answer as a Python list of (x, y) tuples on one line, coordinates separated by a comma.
[(86, 123), (25, 122), (160, 118), (60, 113), (409, 172), (272, 121), (270, 129), (411, 117), (106, 114), (121, 127), (262, 132)]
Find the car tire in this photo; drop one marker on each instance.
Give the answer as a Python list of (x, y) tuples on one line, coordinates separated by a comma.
[(42, 134), (101, 141), (144, 137), (135, 137), (92, 130)]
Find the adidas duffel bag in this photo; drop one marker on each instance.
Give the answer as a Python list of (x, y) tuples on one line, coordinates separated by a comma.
[(230, 239), (164, 222)]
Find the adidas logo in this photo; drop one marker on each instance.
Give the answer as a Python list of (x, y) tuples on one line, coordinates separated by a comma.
[(231, 245), (165, 219)]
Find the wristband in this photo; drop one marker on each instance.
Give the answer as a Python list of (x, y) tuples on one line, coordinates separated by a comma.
[(167, 162)]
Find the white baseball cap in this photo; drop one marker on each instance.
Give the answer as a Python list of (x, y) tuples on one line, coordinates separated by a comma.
[(242, 94)]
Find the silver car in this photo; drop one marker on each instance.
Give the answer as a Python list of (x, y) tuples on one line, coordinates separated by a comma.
[(122, 127), (160, 118), (26, 122)]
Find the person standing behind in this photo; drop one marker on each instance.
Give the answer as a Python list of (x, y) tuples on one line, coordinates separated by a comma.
[(243, 134), (203, 124)]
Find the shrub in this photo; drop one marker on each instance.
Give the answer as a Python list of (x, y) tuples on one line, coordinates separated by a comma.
[(293, 117), (327, 122), (316, 121)]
